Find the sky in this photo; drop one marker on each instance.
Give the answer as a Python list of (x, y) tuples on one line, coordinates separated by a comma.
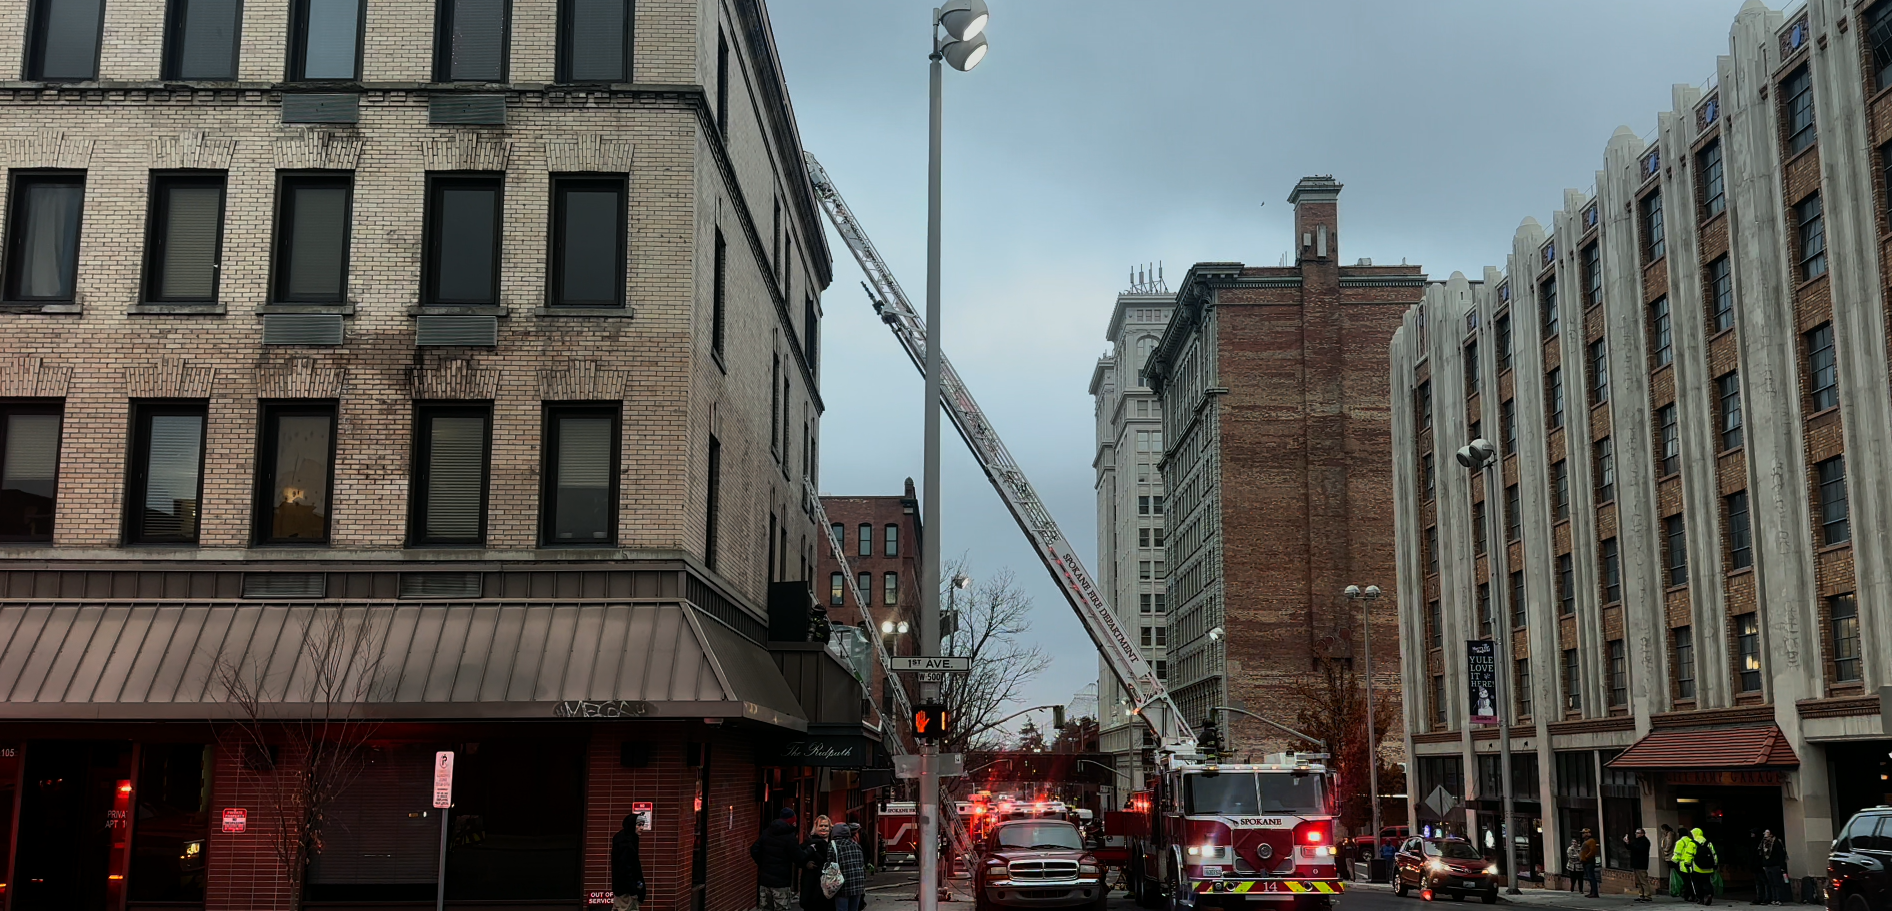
[(1100, 134)]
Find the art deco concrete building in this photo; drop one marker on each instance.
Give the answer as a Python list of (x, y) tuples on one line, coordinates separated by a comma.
[(1130, 556), (1686, 376), (490, 328)]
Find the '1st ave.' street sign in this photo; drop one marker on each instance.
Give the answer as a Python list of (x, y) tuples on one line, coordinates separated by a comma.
[(950, 664)]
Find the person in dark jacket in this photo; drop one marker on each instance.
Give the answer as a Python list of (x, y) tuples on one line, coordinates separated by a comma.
[(776, 854), (1639, 864), (814, 856), (627, 868), (1770, 855), (853, 869)]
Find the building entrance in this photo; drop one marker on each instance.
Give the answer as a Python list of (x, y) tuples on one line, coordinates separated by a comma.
[(75, 805), (1861, 774), (1732, 818)]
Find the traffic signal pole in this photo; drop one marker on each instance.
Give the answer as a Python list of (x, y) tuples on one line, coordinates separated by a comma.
[(928, 808)]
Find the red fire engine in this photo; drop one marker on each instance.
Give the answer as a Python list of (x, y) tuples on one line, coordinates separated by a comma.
[(1235, 836)]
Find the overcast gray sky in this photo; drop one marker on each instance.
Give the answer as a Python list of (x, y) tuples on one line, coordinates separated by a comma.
[(1098, 134)]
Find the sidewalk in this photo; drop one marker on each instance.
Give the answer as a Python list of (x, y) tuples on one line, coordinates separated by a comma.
[(1558, 898)]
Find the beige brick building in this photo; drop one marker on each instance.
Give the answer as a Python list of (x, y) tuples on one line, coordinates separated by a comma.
[(505, 306)]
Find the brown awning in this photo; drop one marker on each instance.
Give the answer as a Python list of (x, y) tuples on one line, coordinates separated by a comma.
[(119, 661), (1725, 748)]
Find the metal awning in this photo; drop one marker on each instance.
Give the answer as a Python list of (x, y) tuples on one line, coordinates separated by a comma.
[(1762, 746), (131, 661)]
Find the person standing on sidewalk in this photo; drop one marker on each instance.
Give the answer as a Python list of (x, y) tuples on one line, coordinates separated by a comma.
[(1697, 857), (1573, 862), (1592, 857), (1665, 844), (776, 855), (1771, 856), (627, 868), (814, 856), (853, 869), (1639, 862)]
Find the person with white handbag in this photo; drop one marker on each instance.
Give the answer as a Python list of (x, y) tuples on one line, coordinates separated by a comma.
[(849, 867)]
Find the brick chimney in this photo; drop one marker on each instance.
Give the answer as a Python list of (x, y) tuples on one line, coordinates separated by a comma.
[(1316, 202)]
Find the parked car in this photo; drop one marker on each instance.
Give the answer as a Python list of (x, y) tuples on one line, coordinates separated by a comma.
[(1444, 865), (1859, 867), (1366, 846), (1037, 863)]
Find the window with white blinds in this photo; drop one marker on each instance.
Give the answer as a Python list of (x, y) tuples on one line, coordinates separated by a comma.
[(43, 237), (167, 474), (588, 241), (186, 237), (29, 471), (312, 238), (327, 40), (201, 39), (64, 45), (296, 471), (450, 482), (472, 41), (595, 41), (462, 240), (581, 494)]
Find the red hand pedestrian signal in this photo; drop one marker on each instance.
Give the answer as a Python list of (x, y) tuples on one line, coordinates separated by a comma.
[(931, 721)]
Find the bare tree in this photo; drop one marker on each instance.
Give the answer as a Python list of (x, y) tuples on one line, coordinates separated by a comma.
[(1331, 703), (304, 738), (993, 620)]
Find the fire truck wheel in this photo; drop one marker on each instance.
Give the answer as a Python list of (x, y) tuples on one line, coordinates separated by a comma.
[(1173, 888), (1146, 893)]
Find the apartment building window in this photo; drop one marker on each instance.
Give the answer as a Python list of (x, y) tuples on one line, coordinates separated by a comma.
[(1566, 586), (325, 43), (448, 499), (594, 41), (1834, 525), (1432, 548), (1878, 24), (29, 470), (864, 540), (581, 470), (1156, 505), (470, 44), (1612, 571), (837, 588), (1503, 330), (167, 473), (713, 501), (43, 236), (1843, 629), (1721, 295), (1560, 490), (1653, 245), (1554, 396), (1437, 697), (312, 218), (1728, 395), (1675, 537), (1592, 258), (890, 541), (1428, 476), (1747, 632), (184, 239), (295, 473), (890, 589), (722, 83), (463, 218), (1573, 681), (1796, 93), (1619, 673), (1547, 307), (1669, 441), (588, 219), (1513, 517), (1821, 367), (1740, 540), (1162, 669), (1435, 625), (201, 39), (1484, 610), (1422, 405), (1605, 470), (1508, 425), (63, 45), (1471, 368), (1599, 372), (718, 289), (1683, 640), (838, 532), (865, 583), (1661, 332), (1521, 679), (1811, 231), (1714, 192), (1148, 638), (1885, 173), (1147, 603), (1159, 602), (1162, 637), (1478, 526)]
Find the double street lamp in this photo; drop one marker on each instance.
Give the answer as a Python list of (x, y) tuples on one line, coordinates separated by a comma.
[(1369, 595), (962, 45), (1482, 455)]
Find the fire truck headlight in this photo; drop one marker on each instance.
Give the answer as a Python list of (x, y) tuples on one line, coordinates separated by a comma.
[(1193, 851)]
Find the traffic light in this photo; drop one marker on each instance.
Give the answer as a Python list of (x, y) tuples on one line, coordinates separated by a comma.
[(931, 721), (1211, 740)]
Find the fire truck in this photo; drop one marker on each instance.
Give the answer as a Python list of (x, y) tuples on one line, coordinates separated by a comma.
[(1234, 836)]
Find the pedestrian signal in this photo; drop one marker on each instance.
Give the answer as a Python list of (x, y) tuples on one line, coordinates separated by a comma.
[(931, 721)]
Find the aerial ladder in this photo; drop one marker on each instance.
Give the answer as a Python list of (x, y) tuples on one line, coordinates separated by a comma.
[(1150, 700)]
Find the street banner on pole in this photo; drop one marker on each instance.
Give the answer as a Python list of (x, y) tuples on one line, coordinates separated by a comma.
[(1481, 680)]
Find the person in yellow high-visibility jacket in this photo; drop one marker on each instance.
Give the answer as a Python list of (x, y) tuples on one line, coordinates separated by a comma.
[(1696, 858)]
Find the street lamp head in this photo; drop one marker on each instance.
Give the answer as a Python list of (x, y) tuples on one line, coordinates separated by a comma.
[(1372, 592), (961, 580), (902, 627), (886, 627), (964, 55), (1353, 591), (1216, 634), (1477, 453), (963, 19)]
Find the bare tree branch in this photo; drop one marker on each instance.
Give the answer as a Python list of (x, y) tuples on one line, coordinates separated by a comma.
[(994, 616)]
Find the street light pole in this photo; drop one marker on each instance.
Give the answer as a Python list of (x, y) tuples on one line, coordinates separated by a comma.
[(1370, 594), (1481, 455), (1229, 708)]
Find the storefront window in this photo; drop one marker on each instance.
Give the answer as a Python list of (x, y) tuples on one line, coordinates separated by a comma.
[(71, 808), (168, 845), (1622, 813)]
